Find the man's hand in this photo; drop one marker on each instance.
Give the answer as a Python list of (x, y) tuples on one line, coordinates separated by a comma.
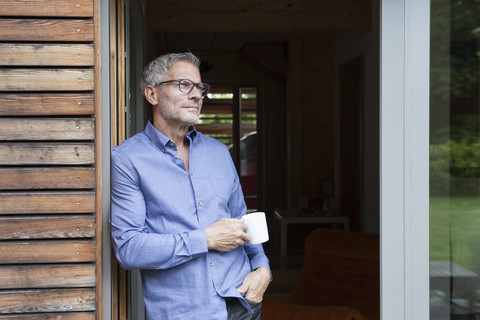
[(255, 284), (226, 234)]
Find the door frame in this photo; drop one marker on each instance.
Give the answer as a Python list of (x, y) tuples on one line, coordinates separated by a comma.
[(404, 158), (404, 132), (103, 11)]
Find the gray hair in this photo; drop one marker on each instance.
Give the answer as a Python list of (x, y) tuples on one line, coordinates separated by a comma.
[(156, 71)]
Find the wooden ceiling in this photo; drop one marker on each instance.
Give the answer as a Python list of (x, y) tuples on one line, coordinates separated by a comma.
[(212, 41), (258, 16)]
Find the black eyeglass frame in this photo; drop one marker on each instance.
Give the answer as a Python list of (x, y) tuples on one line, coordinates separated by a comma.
[(194, 85)]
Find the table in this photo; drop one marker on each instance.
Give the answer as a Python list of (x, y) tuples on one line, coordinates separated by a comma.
[(286, 217), (453, 291)]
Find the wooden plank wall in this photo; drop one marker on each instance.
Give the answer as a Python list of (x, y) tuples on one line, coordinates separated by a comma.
[(48, 167)]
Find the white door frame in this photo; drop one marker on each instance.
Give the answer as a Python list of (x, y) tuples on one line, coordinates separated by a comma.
[(404, 157)]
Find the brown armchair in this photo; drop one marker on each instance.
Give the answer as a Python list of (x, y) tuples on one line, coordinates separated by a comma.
[(340, 280)]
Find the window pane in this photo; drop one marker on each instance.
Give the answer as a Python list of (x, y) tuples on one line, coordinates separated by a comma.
[(454, 160), (248, 146), (217, 120)]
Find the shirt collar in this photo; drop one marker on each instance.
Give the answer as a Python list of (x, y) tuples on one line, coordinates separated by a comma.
[(160, 139), (192, 133)]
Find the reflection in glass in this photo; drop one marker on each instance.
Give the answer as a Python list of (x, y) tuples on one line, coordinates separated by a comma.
[(248, 146), (221, 121), (454, 160)]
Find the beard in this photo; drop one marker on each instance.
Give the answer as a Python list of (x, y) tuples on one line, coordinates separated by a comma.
[(187, 113)]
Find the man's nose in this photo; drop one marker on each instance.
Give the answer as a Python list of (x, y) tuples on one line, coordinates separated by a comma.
[(195, 93)]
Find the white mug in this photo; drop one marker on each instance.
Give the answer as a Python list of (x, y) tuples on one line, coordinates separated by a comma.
[(256, 227)]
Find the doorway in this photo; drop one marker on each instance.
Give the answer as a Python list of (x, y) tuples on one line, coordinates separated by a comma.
[(294, 84)]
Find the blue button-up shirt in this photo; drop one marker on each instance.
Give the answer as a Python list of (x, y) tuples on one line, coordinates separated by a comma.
[(158, 216)]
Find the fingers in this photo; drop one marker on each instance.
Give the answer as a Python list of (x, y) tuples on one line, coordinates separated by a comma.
[(232, 239), (255, 284), (246, 237), (243, 288), (237, 223), (226, 234), (254, 298)]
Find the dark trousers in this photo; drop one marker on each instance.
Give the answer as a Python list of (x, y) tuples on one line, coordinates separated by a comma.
[(236, 311)]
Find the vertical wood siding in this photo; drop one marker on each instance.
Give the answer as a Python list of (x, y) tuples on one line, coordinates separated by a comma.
[(48, 165)]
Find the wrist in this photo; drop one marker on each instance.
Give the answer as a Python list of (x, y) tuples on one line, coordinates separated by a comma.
[(264, 271), (208, 239)]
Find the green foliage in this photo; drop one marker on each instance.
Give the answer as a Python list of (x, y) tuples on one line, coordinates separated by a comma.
[(439, 169), (455, 163), (464, 159)]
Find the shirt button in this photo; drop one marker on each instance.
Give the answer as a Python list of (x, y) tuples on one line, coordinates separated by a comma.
[(171, 144), (163, 150), (212, 263), (200, 203), (177, 156)]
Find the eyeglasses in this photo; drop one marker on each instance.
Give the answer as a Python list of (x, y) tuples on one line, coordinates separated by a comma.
[(186, 86)]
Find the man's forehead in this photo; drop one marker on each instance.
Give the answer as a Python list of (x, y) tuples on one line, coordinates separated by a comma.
[(184, 67)]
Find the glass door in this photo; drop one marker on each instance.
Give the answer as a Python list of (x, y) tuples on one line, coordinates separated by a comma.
[(455, 160)]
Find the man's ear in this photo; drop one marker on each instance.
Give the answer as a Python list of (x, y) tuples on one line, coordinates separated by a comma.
[(151, 95)]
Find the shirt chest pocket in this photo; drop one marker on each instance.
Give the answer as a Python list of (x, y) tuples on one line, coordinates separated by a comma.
[(222, 186)]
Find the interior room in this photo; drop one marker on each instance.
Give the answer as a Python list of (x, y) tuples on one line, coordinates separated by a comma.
[(295, 96)]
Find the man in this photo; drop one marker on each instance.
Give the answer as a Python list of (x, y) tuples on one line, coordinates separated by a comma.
[(177, 206)]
